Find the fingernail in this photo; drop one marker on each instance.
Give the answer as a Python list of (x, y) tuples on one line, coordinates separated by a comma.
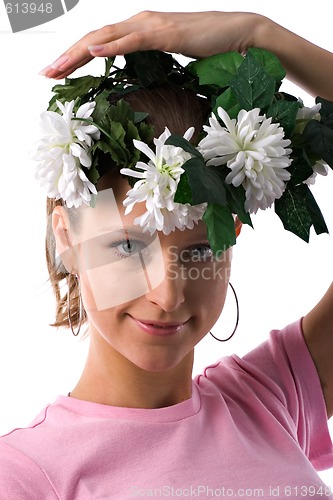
[(45, 70), (95, 48), (59, 62)]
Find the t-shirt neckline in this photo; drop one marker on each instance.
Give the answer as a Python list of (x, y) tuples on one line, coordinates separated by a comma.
[(172, 413)]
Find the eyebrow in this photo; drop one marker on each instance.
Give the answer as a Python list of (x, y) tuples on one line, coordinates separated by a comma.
[(129, 231), (200, 236), (121, 228)]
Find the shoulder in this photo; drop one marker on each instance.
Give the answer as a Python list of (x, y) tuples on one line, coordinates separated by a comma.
[(25, 457), (21, 477), (266, 366), (277, 379), (280, 362), (278, 374)]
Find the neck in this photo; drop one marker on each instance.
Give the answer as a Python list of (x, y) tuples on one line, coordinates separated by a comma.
[(109, 378)]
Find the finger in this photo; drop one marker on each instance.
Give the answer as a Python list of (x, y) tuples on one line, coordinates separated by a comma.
[(132, 42), (52, 71), (66, 62), (78, 54)]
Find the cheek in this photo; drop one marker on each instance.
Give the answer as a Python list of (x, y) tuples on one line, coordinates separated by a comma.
[(112, 279), (87, 294), (207, 286), (102, 319), (210, 275), (109, 281), (213, 289)]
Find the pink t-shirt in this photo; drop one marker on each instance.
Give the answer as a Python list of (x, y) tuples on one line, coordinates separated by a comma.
[(254, 427)]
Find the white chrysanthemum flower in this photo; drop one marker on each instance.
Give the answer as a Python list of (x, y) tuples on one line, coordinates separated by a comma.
[(321, 168), (62, 151), (255, 151), (157, 185), (304, 115)]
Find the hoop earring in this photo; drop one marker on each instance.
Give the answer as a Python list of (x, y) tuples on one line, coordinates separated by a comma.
[(237, 319), (75, 333)]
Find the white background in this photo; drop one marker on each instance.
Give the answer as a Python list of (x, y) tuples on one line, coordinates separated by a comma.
[(278, 277)]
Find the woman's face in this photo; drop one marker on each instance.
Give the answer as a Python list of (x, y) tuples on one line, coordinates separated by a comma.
[(150, 298)]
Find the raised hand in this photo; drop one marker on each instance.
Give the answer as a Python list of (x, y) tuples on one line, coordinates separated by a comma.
[(198, 34), (201, 34)]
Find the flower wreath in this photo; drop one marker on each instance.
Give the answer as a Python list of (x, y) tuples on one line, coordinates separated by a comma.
[(260, 147)]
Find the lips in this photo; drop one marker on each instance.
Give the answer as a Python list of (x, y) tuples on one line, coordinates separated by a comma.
[(159, 328)]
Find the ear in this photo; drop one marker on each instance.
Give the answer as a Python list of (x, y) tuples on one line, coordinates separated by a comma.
[(64, 243), (238, 226)]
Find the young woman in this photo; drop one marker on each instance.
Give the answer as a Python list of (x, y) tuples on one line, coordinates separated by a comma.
[(141, 270)]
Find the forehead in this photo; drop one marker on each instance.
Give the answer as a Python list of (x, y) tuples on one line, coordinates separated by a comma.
[(108, 216)]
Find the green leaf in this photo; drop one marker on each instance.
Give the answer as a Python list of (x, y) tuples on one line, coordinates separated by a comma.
[(114, 144), (151, 67), (73, 88), (131, 134), (102, 106), (146, 132), (235, 198), (92, 174), (108, 65), (102, 164), (293, 211), (119, 88), (181, 142), (218, 69), (105, 147), (253, 86), (121, 112), (139, 116), (269, 61), (298, 211), (236, 201), (320, 138), (228, 102), (300, 168), (315, 213), (118, 133), (220, 228), (284, 112), (205, 182), (183, 193)]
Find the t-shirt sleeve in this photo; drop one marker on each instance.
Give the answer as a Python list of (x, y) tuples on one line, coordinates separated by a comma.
[(21, 478), (282, 375), (287, 360)]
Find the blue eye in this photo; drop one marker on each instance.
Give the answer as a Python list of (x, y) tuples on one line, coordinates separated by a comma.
[(128, 248), (198, 253), (202, 252)]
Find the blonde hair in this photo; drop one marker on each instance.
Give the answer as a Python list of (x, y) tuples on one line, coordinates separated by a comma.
[(168, 106), (60, 277)]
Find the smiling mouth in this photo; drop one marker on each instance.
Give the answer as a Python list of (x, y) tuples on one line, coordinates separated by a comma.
[(158, 328)]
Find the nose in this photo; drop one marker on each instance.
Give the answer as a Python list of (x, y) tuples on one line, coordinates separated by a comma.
[(170, 293)]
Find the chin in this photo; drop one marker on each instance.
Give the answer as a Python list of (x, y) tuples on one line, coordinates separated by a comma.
[(159, 364)]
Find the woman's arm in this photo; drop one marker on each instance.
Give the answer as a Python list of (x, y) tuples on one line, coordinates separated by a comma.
[(201, 34), (318, 332)]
